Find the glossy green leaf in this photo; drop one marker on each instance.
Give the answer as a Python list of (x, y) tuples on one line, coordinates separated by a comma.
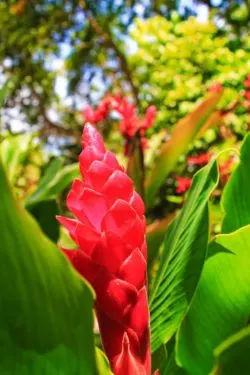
[(232, 356), (46, 318), (55, 179), (183, 134), (182, 260), (236, 197), (13, 152), (221, 305)]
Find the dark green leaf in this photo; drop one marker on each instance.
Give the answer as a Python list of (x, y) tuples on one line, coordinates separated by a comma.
[(45, 213), (232, 356)]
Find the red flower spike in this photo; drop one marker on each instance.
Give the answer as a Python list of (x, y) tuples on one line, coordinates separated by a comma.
[(110, 236)]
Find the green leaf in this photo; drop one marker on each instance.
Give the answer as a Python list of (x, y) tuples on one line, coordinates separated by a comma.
[(46, 320), (182, 260), (13, 152), (55, 179), (102, 363), (232, 356), (236, 197), (183, 134), (221, 305)]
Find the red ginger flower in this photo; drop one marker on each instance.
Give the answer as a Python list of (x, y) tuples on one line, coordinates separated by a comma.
[(109, 231)]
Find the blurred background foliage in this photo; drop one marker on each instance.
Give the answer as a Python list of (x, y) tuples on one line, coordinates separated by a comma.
[(56, 57)]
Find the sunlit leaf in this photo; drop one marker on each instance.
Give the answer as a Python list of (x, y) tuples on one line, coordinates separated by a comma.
[(102, 363)]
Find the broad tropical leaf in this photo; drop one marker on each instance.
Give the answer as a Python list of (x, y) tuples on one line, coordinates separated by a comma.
[(46, 308), (232, 356), (182, 260), (236, 197), (221, 305), (183, 133)]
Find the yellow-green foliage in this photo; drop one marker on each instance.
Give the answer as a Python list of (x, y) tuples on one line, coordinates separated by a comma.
[(176, 61)]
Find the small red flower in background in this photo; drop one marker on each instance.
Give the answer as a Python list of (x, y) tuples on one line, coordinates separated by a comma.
[(183, 184), (109, 231), (216, 87), (201, 159), (130, 123), (247, 82), (101, 113)]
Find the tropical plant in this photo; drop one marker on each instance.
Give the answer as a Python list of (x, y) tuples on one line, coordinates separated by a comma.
[(199, 299)]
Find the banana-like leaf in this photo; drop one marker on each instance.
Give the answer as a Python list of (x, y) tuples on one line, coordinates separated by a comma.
[(221, 305), (184, 253), (13, 152), (55, 179), (46, 319), (183, 134), (236, 196), (232, 356)]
